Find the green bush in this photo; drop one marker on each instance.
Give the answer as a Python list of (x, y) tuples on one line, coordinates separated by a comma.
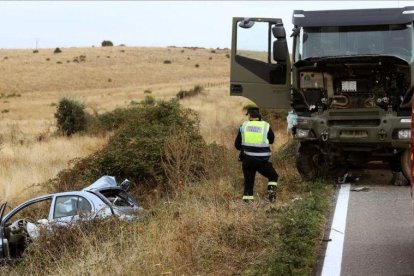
[(70, 117), (57, 50), (167, 61), (190, 93), (107, 43), (136, 148)]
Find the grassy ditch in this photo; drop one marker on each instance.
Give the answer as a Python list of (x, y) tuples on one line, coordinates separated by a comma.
[(299, 233)]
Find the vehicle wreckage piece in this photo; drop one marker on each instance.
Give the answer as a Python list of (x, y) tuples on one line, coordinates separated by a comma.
[(102, 199)]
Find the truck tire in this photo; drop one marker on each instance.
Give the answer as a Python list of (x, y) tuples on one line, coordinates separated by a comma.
[(311, 163), (305, 154), (406, 163)]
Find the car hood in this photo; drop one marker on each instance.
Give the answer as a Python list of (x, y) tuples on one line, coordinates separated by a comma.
[(105, 181)]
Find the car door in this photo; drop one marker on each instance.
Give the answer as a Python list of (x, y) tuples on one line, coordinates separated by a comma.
[(4, 252), (260, 62), (70, 208)]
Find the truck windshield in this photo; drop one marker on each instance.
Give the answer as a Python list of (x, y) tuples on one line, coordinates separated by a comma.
[(388, 40)]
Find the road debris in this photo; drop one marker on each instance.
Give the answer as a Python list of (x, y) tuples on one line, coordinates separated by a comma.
[(360, 189)]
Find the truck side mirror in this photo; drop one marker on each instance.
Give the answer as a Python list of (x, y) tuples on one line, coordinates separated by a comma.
[(246, 23), (280, 50), (279, 31)]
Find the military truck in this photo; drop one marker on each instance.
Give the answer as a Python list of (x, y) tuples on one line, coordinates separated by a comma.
[(349, 80)]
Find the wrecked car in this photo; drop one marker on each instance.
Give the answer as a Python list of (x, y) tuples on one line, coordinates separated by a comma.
[(102, 199)]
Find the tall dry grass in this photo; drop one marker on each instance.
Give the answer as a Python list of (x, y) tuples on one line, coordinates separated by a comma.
[(22, 166)]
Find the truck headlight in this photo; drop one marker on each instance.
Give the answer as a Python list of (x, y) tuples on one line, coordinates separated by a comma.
[(404, 134), (302, 133)]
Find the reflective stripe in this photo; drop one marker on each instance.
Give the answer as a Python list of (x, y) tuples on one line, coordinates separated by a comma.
[(258, 153), (248, 197), (272, 184), (256, 145)]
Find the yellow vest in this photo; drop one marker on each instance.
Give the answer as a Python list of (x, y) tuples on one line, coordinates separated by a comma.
[(254, 138)]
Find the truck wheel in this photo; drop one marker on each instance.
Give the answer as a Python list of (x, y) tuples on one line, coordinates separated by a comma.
[(406, 163), (312, 163), (305, 155)]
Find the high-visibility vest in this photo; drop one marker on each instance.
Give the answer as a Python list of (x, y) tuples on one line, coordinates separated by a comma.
[(254, 138)]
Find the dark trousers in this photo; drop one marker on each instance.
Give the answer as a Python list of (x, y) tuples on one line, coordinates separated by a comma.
[(250, 167)]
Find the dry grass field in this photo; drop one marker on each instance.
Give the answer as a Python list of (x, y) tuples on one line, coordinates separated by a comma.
[(102, 79)]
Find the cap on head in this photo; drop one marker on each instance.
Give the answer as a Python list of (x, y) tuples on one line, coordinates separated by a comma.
[(253, 112)]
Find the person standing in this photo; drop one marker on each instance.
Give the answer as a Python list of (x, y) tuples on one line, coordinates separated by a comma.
[(253, 141)]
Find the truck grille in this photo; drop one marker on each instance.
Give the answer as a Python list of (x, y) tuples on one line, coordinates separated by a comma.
[(355, 123), (353, 134)]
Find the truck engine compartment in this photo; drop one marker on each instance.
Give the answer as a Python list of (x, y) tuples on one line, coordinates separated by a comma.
[(350, 84)]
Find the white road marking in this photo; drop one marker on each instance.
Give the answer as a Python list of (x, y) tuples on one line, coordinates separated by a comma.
[(333, 255)]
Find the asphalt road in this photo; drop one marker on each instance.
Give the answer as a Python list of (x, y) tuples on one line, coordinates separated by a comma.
[(379, 232)]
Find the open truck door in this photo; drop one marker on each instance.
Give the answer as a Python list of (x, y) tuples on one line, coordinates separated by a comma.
[(260, 62)]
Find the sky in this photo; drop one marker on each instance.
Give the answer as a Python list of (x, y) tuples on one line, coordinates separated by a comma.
[(145, 23)]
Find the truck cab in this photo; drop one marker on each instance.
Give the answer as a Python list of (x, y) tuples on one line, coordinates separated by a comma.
[(349, 80)]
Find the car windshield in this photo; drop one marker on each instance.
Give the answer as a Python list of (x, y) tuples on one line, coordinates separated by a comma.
[(388, 40)]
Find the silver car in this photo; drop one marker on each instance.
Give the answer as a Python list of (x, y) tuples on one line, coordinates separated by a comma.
[(101, 199)]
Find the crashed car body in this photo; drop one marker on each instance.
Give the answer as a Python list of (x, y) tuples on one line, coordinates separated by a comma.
[(102, 199)]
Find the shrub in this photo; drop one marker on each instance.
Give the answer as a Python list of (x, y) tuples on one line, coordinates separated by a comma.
[(47, 59), (107, 43), (197, 65), (57, 50), (210, 58), (147, 91), (35, 51), (58, 62), (109, 80), (213, 51), (70, 116), (190, 93), (5, 111), (188, 58), (227, 55), (136, 148), (6, 58), (148, 100), (122, 51), (167, 61)]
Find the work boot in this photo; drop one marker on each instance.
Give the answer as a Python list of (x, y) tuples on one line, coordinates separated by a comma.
[(271, 193)]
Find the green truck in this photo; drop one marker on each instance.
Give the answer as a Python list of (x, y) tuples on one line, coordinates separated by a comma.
[(349, 82)]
